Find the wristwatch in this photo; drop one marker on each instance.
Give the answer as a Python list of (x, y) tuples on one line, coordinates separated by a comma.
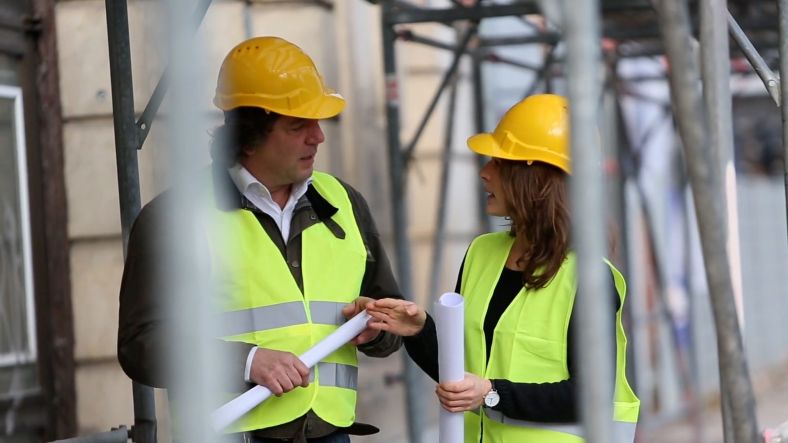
[(492, 398)]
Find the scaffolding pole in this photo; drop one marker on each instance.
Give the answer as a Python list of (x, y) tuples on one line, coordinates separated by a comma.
[(152, 108), (479, 125), (770, 81), (706, 187), (126, 142), (118, 435), (783, 5), (440, 232), (414, 407), (581, 32), (459, 50), (716, 66)]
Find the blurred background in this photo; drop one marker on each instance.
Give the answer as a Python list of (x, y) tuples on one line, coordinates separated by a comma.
[(61, 245)]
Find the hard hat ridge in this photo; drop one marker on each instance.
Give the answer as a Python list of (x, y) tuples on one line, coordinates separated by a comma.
[(534, 129), (276, 75)]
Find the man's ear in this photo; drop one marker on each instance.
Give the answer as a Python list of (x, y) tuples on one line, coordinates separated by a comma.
[(247, 150)]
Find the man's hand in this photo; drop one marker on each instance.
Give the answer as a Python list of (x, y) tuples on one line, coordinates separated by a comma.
[(465, 395), (278, 371), (350, 310)]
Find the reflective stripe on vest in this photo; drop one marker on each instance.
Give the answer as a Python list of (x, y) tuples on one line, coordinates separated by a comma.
[(568, 428), (623, 432), (264, 306), (529, 341), (278, 316), (336, 375)]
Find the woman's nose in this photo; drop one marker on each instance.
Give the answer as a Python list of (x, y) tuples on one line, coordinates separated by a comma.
[(484, 173)]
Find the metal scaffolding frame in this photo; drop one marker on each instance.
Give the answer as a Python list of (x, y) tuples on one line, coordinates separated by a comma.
[(673, 20), (631, 171), (674, 23)]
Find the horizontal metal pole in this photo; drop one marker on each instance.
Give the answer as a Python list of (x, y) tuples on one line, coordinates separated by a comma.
[(400, 14), (407, 35), (119, 435), (619, 5), (543, 37), (496, 58)]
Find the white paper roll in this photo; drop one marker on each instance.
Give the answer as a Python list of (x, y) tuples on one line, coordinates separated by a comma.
[(449, 322), (237, 407)]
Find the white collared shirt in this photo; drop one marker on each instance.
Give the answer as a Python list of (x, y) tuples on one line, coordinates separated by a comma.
[(260, 196)]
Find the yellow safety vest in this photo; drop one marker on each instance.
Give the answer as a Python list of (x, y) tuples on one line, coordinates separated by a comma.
[(264, 306), (530, 345)]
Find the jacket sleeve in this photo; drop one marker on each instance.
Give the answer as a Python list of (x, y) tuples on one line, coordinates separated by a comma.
[(423, 348), (141, 320), (379, 281), (145, 328)]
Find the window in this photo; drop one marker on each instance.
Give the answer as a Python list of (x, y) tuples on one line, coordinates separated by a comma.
[(17, 313)]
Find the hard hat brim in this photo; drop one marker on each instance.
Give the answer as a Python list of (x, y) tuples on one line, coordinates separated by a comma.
[(485, 144), (327, 106)]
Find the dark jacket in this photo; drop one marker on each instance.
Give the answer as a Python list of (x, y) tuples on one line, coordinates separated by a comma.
[(143, 322)]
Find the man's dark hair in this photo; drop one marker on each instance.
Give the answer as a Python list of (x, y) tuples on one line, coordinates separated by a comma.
[(243, 128)]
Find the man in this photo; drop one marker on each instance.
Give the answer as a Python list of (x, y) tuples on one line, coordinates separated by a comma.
[(290, 248)]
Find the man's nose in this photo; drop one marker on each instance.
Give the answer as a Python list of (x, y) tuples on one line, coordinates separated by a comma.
[(316, 135)]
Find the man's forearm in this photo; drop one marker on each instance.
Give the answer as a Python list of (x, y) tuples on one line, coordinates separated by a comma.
[(382, 346)]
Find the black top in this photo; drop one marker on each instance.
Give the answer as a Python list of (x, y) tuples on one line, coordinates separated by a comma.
[(542, 402)]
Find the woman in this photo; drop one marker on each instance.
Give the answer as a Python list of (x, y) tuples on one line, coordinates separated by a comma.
[(519, 288)]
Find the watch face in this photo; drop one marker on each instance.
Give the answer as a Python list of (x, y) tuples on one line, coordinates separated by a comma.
[(491, 399)]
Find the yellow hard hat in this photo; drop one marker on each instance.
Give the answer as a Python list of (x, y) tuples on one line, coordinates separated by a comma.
[(535, 129), (276, 75)]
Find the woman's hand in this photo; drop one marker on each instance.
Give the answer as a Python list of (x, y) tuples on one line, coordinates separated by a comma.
[(465, 395), (350, 310), (400, 317)]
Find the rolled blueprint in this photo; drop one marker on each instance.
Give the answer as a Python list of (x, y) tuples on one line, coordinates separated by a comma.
[(237, 407), (449, 322)]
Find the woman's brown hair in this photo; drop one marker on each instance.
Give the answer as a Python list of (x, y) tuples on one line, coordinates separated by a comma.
[(537, 202)]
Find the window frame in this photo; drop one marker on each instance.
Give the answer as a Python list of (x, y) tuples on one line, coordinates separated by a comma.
[(30, 354)]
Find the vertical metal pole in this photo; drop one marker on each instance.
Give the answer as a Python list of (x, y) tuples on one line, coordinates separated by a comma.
[(717, 97), (478, 118), (415, 409), (123, 114), (144, 429), (783, 6), (581, 30), (197, 358), (247, 15), (440, 222), (703, 173)]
